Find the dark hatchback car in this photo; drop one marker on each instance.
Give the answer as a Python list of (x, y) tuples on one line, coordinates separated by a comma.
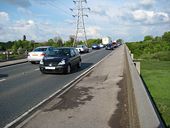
[(61, 60), (109, 47)]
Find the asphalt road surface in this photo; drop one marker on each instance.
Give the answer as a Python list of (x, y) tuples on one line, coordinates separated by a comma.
[(99, 100), (22, 86)]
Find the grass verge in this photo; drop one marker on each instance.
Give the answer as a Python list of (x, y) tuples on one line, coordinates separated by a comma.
[(156, 75)]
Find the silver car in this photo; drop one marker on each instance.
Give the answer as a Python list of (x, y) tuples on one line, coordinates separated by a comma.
[(82, 48), (38, 53)]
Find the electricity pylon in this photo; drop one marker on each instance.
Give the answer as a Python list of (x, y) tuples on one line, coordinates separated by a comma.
[(80, 25)]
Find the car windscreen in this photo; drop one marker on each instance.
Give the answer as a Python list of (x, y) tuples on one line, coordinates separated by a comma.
[(40, 49), (79, 46), (59, 52)]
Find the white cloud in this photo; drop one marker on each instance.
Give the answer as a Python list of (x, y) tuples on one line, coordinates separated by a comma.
[(30, 22), (139, 15), (147, 2), (93, 31), (150, 17), (24, 26), (127, 19), (4, 17)]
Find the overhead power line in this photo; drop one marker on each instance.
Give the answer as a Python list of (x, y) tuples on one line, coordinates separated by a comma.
[(79, 13), (62, 3), (59, 7)]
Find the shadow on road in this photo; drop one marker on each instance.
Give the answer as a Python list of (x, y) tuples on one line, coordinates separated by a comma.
[(74, 70), (83, 67)]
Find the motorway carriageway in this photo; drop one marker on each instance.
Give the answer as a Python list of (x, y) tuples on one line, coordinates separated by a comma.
[(22, 86)]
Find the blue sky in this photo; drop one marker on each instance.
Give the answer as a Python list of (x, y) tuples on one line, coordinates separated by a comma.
[(41, 20)]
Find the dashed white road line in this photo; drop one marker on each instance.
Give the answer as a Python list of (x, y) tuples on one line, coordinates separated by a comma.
[(90, 52), (2, 80), (37, 69)]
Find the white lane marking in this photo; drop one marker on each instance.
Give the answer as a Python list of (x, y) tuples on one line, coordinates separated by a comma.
[(37, 69), (91, 52), (2, 80)]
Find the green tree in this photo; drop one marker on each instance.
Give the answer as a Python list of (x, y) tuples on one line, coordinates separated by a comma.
[(93, 41), (60, 42), (68, 44), (71, 38), (20, 50), (148, 38), (15, 46), (50, 42), (24, 38), (158, 39), (1, 47), (120, 41), (166, 37)]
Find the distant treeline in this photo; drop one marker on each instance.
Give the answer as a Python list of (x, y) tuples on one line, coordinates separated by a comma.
[(22, 46), (152, 47)]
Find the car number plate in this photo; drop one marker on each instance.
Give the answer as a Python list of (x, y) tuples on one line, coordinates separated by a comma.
[(52, 68), (34, 55)]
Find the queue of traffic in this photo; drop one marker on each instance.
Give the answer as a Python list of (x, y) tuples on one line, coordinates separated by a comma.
[(62, 59)]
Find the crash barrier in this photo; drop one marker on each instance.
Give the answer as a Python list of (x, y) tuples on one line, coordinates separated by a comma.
[(148, 115)]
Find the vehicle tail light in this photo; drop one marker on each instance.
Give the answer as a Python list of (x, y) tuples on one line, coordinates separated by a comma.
[(43, 54)]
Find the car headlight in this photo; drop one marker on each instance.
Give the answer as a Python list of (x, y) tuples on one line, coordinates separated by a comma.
[(63, 62), (41, 62)]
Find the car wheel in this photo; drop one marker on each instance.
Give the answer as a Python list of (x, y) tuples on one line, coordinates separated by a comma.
[(32, 62), (79, 64), (43, 72)]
